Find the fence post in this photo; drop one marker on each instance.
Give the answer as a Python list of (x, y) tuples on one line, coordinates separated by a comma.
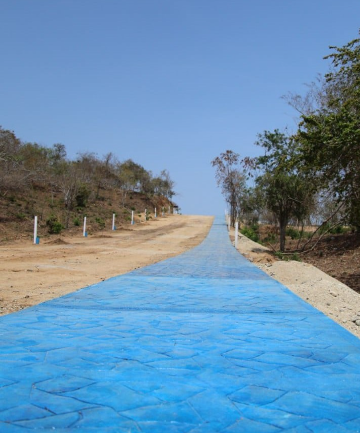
[(36, 239), (155, 213), (84, 229), (132, 217), (113, 222)]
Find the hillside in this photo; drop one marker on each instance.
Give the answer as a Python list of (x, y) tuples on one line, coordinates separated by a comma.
[(17, 213), (42, 181)]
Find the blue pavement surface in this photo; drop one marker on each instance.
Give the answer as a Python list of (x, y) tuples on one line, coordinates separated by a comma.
[(203, 342)]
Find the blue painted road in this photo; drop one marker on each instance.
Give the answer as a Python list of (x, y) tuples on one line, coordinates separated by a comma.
[(203, 342)]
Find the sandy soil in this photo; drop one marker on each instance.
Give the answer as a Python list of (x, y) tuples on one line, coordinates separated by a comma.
[(325, 293), (31, 274)]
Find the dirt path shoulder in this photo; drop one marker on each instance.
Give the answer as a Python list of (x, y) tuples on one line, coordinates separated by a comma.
[(325, 293), (31, 274)]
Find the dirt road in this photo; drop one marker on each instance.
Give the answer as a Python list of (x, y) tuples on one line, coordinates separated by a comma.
[(31, 274)]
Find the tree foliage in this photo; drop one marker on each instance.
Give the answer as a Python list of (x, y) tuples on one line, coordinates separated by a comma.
[(26, 166), (329, 136), (288, 193), (315, 172)]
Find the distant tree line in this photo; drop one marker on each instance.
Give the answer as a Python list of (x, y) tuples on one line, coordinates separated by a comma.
[(25, 166), (313, 175)]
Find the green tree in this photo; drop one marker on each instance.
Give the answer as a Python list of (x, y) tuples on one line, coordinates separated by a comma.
[(288, 193), (11, 175), (329, 136), (252, 204)]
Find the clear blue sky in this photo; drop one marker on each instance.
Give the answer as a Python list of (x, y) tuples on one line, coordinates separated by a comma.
[(168, 83)]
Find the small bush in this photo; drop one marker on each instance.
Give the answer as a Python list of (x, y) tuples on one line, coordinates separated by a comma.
[(293, 233), (76, 222), (307, 235), (255, 227), (20, 216), (296, 257), (339, 230), (82, 196), (271, 237), (280, 255), (55, 226), (286, 257), (250, 233), (100, 222)]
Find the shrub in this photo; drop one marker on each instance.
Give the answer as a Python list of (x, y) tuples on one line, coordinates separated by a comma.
[(293, 233), (101, 222), (339, 230), (271, 237), (296, 257), (250, 233), (76, 222), (334, 230), (82, 196), (55, 226), (280, 255), (286, 257)]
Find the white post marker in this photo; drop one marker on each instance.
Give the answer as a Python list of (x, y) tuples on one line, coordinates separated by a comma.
[(36, 239), (84, 229), (236, 233), (155, 212), (132, 217), (169, 210), (113, 222)]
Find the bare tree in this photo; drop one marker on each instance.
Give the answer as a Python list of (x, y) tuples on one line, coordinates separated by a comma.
[(227, 177)]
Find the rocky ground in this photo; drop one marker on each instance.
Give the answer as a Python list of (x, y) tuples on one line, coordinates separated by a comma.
[(327, 294)]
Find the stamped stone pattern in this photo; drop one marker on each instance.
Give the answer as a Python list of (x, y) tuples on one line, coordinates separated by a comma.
[(203, 342)]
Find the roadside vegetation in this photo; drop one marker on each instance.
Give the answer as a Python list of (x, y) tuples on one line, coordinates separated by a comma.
[(301, 196), (43, 181)]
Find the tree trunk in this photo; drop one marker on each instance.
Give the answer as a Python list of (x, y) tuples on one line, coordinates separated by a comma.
[(233, 211), (283, 224)]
